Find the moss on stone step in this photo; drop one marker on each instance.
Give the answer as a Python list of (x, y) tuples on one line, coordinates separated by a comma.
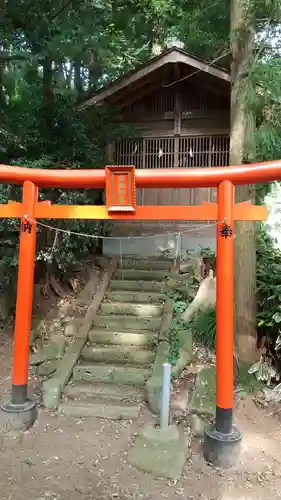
[(127, 322), (100, 410), (131, 274), (138, 310), (118, 354), (125, 284), (146, 265), (125, 337), (121, 393), (112, 374), (135, 296)]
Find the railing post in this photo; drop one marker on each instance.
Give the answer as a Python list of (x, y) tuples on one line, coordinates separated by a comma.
[(27, 252), (222, 440)]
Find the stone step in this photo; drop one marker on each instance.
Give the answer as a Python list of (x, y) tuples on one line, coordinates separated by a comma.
[(142, 286), (131, 309), (111, 374), (131, 274), (118, 354), (123, 393), (134, 296), (123, 337), (100, 409), (145, 264), (128, 322)]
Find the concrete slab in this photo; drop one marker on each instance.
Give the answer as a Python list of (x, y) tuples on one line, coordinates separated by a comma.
[(161, 454), (203, 399)]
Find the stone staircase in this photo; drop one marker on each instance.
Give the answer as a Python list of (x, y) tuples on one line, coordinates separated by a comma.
[(109, 379)]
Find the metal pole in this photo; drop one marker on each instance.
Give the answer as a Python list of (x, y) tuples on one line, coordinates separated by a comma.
[(165, 399)]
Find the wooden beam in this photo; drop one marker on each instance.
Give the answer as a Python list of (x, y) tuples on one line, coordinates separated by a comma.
[(204, 212), (178, 102)]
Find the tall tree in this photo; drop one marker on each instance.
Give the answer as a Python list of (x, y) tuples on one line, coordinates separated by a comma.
[(248, 20), (241, 124)]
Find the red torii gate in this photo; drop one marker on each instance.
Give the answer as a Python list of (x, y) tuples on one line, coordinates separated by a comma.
[(120, 182)]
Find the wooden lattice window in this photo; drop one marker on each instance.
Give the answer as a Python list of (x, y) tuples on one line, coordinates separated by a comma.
[(129, 152), (206, 151), (165, 152)]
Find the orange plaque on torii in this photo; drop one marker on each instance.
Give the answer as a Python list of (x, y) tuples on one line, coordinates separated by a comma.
[(120, 185)]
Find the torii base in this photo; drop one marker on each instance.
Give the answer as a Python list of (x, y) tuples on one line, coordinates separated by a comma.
[(16, 418), (221, 450)]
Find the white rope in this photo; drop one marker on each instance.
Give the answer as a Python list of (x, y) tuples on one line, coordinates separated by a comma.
[(145, 236)]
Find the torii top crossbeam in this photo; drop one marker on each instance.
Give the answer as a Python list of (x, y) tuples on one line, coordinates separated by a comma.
[(150, 178)]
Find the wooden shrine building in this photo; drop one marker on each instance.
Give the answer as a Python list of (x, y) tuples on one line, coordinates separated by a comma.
[(178, 108)]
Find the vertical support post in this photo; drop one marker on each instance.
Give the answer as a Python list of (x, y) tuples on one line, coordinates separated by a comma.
[(27, 251), (222, 440), (165, 399), (225, 308)]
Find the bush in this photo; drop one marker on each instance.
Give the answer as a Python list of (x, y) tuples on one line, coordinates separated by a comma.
[(268, 286), (203, 327)]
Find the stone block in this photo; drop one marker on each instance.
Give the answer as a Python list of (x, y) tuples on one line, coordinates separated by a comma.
[(154, 384), (203, 399), (160, 453)]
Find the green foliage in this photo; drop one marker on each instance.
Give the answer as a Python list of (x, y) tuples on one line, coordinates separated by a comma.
[(246, 381), (269, 307), (268, 284), (180, 298), (263, 99), (179, 306), (203, 327), (207, 252)]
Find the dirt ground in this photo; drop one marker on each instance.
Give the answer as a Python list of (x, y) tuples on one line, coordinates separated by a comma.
[(66, 459)]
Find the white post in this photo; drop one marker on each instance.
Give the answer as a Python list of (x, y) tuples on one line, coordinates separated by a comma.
[(165, 400)]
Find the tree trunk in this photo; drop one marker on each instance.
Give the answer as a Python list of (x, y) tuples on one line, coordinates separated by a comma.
[(242, 45), (78, 78)]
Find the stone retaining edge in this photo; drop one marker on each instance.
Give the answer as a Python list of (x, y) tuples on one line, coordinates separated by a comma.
[(52, 388), (153, 385)]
